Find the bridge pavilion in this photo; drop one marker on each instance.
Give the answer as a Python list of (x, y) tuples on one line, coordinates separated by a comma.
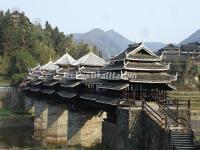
[(137, 74)]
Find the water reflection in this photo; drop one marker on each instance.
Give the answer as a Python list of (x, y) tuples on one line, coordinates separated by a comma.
[(54, 125), (17, 137)]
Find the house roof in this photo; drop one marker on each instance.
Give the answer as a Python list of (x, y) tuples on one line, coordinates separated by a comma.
[(65, 60), (90, 59), (191, 47)]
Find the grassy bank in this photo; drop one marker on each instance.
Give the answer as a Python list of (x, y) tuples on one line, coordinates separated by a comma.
[(5, 112), (184, 96)]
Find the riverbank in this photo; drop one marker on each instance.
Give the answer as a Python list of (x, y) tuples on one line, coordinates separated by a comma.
[(15, 118)]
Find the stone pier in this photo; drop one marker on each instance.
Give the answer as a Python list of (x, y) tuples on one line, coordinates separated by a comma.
[(56, 124)]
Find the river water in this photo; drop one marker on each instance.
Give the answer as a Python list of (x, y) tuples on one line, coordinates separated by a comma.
[(23, 138), (34, 137)]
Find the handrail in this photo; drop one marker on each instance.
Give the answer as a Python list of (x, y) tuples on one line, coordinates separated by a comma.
[(145, 106), (180, 121), (188, 127), (170, 112)]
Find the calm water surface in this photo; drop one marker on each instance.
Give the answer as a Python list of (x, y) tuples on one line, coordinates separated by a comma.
[(24, 138)]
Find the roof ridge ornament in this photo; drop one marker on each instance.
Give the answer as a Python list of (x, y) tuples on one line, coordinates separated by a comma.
[(161, 56), (168, 65), (126, 54), (67, 50), (50, 59), (176, 76)]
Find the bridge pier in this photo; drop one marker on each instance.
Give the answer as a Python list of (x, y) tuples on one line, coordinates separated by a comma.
[(84, 127), (57, 124), (40, 121), (117, 135)]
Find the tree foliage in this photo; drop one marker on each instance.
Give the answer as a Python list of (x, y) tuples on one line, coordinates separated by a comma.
[(24, 44)]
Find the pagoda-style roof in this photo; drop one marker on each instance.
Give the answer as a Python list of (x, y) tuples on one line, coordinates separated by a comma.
[(58, 77), (66, 94), (88, 69), (34, 89), (141, 77), (70, 83), (100, 99), (113, 86), (142, 66), (47, 91), (50, 66), (65, 60), (36, 82), (50, 83), (90, 59), (137, 52)]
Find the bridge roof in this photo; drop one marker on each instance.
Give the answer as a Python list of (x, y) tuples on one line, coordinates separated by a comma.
[(70, 83), (50, 83), (50, 66), (65, 60), (47, 91), (66, 94), (113, 86), (90, 59)]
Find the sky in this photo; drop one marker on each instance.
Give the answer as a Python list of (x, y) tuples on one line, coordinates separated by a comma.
[(138, 20)]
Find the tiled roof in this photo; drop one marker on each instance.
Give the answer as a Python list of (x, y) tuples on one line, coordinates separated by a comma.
[(50, 83), (70, 83), (66, 94), (100, 99), (156, 66), (146, 66), (90, 59), (50, 66), (36, 82), (114, 66), (133, 53), (65, 60), (34, 89), (149, 77), (47, 91), (113, 86), (122, 55), (89, 69), (143, 57), (191, 47)]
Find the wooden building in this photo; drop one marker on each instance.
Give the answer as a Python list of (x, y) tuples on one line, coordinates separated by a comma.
[(137, 74)]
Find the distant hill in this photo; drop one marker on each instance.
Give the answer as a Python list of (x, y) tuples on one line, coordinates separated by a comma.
[(110, 42), (194, 37), (154, 46)]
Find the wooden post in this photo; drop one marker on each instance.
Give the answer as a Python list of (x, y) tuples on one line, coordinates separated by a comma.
[(142, 105), (188, 104), (177, 105)]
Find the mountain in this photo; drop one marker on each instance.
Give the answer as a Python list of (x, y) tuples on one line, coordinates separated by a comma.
[(110, 42), (194, 37), (154, 46)]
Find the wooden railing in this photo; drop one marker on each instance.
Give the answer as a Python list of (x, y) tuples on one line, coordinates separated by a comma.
[(146, 107), (7, 89), (180, 121)]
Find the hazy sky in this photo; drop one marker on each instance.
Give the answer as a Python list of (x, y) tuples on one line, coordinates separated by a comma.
[(147, 20)]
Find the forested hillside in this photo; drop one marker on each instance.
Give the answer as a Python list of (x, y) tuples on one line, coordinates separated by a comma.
[(24, 45)]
